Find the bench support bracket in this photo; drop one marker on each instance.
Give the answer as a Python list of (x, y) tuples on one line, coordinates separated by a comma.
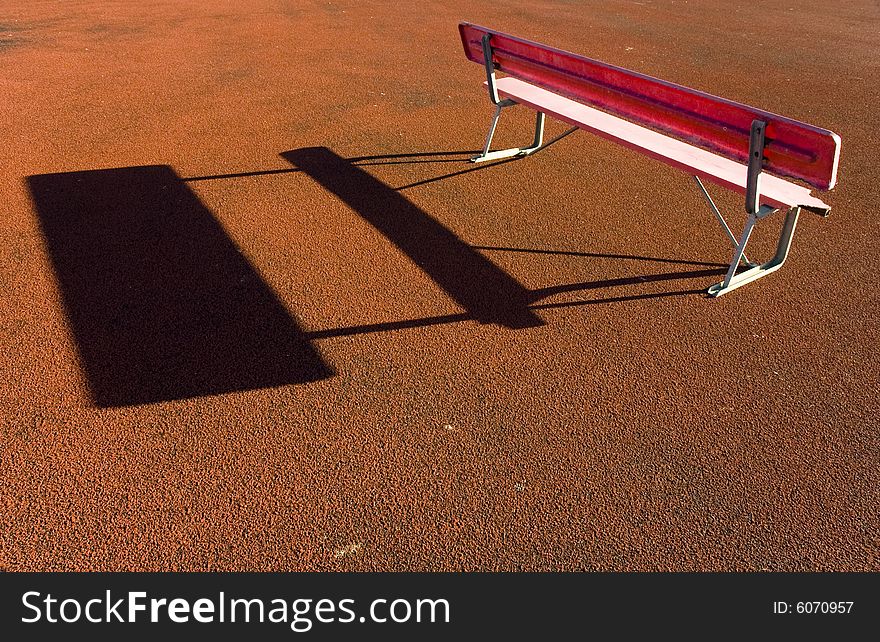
[(733, 280), (513, 151), (757, 141)]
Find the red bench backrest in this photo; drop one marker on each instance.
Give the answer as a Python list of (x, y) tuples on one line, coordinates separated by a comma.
[(792, 148)]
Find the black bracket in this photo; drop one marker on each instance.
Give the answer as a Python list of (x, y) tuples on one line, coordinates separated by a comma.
[(490, 68), (756, 165)]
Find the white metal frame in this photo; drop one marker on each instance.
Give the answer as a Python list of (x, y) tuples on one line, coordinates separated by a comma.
[(733, 280), (512, 151), (756, 212)]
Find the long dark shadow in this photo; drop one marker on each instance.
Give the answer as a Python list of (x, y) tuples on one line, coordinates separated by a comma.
[(466, 153), (391, 326), (442, 177), (596, 255), (393, 159), (412, 161), (543, 293), (385, 159), (217, 177), (483, 166), (616, 299), (459, 156), (161, 303), (484, 290)]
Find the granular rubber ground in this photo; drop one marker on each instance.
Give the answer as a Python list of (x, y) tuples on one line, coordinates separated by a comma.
[(292, 331)]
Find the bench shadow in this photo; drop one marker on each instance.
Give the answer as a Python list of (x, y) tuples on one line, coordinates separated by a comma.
[(163, 306), (484, 290), (161, 303)]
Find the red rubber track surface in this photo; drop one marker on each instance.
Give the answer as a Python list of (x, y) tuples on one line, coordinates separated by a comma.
[(259, 313)]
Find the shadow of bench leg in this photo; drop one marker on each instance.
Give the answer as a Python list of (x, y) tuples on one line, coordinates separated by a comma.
[(733, 280)]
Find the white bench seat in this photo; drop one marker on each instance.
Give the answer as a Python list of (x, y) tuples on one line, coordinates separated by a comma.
[(775, 191)]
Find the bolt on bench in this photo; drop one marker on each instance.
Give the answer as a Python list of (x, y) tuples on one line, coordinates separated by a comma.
[(739, 147)]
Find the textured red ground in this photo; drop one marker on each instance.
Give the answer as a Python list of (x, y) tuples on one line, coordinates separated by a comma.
[(623, 421)]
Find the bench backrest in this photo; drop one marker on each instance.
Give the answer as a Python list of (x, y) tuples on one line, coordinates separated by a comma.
[(792, 148)]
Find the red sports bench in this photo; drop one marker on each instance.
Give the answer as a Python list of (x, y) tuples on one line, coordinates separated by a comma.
[(739, 147)]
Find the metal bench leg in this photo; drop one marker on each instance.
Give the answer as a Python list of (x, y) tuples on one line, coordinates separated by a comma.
[(513, 151), (733, 280), (717, 213)]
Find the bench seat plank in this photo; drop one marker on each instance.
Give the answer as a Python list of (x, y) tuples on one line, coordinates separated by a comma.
[(718, 169)]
